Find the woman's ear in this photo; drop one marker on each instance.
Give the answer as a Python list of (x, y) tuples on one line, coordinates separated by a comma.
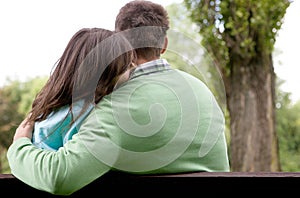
[(165, 45)]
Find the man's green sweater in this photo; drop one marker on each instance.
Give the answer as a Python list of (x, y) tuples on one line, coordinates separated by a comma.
[(161, 121)]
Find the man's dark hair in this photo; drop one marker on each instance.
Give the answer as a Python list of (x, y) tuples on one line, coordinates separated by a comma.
[(148, 23)]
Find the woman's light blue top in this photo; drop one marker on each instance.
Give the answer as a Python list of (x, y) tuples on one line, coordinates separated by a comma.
[(56, 130)]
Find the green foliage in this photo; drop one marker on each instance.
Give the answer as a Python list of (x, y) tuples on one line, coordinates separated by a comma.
[(237, 27), (15, 102), (288, 130), (10, 96)]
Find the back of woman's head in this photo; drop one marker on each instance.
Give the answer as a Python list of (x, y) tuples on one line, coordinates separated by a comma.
[(87, 70), (137, 15)]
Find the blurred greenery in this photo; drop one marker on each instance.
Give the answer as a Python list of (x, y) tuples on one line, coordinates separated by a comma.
[(15, 102), (288, 130)]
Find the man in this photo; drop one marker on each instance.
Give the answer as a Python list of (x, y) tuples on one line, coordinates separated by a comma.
[(161, 121)]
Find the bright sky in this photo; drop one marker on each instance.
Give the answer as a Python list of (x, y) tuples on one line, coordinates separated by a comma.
[(34, 34), (287, 63)]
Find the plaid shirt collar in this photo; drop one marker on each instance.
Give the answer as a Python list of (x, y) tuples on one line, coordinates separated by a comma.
[(150, 67)]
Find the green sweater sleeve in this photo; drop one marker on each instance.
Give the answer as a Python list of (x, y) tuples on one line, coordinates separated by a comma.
[(59, 172)]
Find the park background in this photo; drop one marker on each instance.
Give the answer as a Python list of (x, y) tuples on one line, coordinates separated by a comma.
[(35, 33)]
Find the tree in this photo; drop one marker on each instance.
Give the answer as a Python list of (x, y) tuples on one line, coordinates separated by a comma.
[(239, 35)]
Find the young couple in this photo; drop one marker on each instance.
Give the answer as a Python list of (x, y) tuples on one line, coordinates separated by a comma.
[(113, 104)]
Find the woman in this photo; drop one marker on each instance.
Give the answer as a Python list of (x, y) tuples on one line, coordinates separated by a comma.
[(94, 63)]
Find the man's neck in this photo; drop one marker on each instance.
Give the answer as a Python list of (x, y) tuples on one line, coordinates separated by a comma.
[(140, 61)]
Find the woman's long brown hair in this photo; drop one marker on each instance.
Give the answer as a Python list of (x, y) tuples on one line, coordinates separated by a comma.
[(87, 70)]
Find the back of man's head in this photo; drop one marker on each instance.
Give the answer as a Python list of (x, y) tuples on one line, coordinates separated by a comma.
[(146, 24)]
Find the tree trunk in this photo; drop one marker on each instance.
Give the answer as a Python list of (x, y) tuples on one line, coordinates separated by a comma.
[(253, 139)]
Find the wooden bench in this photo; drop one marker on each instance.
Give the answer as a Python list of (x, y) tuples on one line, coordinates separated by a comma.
[(221, 184)]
